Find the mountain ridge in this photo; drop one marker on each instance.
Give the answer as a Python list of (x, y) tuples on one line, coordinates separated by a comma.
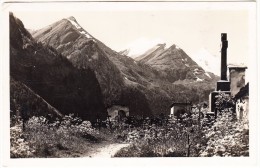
[(51, 76), (203, 58), (158, 49), (174, 61), (135, 84)]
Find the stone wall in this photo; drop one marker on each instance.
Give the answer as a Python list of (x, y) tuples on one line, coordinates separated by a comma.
[(237, 79)]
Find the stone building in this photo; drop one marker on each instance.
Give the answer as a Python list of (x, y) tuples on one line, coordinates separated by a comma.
[(236, 78), (118, 113), (178, 109)]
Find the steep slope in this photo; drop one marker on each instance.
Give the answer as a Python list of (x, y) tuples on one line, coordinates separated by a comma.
[(183, 78), (124, 52), (152, 52), (157, 84), (145, 89), (53, 77), (123, 81), (81, 48), (175, 64), (142, 80), (26, 103)]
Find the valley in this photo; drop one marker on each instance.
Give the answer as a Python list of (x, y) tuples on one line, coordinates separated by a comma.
[(73, 96)]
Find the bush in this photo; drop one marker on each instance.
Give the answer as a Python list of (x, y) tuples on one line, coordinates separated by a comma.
[(227, 136), (42, 138), (170, 139), (20, 148), (221, 137)]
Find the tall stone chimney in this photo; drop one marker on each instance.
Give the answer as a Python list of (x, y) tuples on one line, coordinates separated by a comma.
[(224, 56)]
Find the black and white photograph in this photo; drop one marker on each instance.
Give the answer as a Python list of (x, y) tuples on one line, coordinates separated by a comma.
[(129, 79)]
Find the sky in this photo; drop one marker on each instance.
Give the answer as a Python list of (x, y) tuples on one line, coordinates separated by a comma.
[(191, 30)]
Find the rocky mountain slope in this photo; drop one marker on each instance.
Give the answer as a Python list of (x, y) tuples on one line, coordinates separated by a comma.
[(152, 52), (174, 63), (52, 77), (144, 88), (123, 81), (82, 50)]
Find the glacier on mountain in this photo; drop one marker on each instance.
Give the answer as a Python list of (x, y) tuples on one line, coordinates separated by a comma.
[(207, 61)]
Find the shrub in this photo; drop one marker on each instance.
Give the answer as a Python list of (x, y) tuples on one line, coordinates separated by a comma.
[(209, 137), (61, 138), (20, 148), (227, 136), (170, 139)]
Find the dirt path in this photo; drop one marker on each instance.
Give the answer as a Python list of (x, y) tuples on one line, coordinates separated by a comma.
[(107, 150)]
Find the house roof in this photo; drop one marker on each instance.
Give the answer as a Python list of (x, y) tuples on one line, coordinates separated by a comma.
[(181, 104), (231, 66)]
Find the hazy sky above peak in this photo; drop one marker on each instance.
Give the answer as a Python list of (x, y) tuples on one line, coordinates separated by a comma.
[(191, 30)]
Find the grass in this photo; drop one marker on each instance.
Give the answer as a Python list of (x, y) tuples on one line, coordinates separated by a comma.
[(71, 137), (167, 140), (225, 137), (58, 139)]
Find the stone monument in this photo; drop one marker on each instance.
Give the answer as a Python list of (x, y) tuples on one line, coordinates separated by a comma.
[(223, 85)]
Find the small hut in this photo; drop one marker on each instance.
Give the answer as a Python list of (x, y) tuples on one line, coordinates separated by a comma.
[(178, 109), (118, 113)]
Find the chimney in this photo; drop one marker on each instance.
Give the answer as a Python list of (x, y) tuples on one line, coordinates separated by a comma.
[(224, 56)]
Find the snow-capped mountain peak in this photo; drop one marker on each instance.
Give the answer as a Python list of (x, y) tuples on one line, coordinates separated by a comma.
[(207, 61), (73, 21), (141, 45)]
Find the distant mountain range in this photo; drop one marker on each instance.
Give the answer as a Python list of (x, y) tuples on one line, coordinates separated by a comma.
[(75, 66), (202, 57), (139, 46), (175, 63)]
